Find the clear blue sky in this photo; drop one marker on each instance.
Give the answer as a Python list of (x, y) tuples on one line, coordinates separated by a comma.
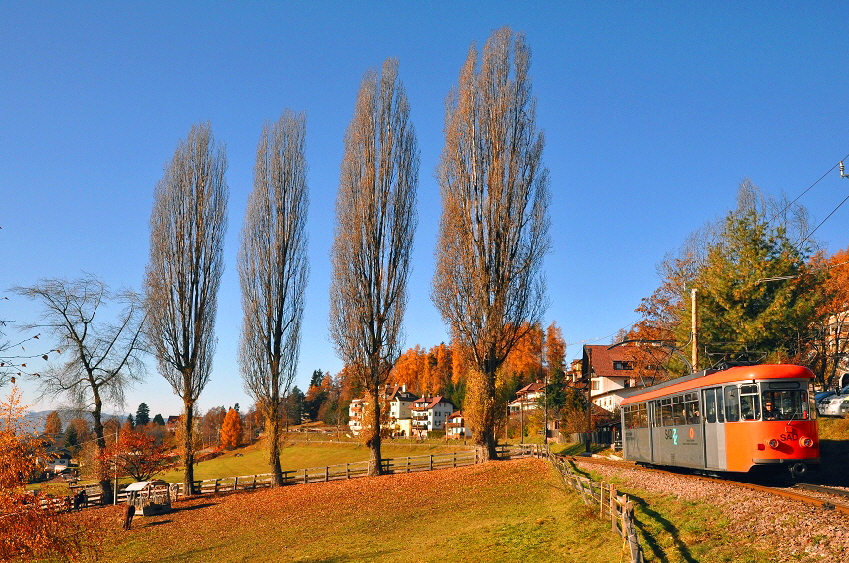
[(653, 114)]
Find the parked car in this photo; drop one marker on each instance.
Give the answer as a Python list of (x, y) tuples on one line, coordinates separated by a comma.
[(834, 405), (823, 395)]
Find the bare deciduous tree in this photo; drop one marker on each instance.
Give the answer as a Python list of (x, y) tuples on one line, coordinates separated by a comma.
[(376, 219), (493, 234), (273, 269), (187, 228), (102, 359)]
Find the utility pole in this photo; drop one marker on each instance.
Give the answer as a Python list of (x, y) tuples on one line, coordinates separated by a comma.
[(694, 334)]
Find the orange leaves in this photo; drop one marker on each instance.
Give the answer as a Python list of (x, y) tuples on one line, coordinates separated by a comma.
[(28, 532), (135, 454), (231, 429)]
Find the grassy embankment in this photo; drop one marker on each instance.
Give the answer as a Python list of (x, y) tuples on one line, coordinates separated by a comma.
[(252, 460), (504, 511)]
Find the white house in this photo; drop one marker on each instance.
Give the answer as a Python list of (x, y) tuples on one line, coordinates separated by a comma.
[(612, 374), (399, 419), (455, 427), (430, 413)]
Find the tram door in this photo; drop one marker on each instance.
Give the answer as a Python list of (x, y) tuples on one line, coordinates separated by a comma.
[(714, 425)]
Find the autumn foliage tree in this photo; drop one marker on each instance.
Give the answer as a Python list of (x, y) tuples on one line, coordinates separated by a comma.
[(231, 429), (273, 269), (28, 532), (53, 424), (493, 233), (187, 228), (827, 344), (135, 455), (375, 223)]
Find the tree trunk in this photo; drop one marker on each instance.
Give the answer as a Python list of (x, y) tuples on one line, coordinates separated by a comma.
[(485, 439), (107, 493), (188, 450), (375, 468), (272, 435)]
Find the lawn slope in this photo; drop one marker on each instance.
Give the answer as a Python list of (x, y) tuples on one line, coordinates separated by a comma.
[(499, 511)]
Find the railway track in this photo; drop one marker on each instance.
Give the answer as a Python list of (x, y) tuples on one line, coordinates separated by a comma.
[(824, 497)]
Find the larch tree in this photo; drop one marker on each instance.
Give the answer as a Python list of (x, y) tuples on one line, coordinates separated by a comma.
[(231, 429), (493, 234), (827, 346), (273, 270), (375, 223), (53, 424), (187, 228), (101, 358)]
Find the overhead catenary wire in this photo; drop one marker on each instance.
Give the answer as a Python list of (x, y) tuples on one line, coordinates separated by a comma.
[(786, 207)]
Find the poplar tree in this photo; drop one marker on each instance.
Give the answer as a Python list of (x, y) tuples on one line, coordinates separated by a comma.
[(493, 233), (375, 222), (187, 228), (273, 270)]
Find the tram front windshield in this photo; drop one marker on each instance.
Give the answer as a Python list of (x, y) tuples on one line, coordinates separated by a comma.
[(786, 404)]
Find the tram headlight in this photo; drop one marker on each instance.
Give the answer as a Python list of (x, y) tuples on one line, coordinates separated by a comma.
[(806, 442), (772, 443)]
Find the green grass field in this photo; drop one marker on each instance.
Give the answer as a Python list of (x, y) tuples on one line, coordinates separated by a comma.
[(252, 460), (500, 511)]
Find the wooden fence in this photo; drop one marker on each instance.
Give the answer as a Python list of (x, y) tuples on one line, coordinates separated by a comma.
[(331, 473), (611, 505)]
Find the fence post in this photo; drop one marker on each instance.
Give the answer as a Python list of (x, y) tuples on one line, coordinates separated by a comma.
[(305, 476), (601, 501), (216, 486), (613, 512), (235, 483), (347, 471), (431, 462), (326, 474)]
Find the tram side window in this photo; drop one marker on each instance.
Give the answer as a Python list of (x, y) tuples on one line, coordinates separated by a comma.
[(678, 411), (710, 405), (691, 408), (635, 416), (750, 406), (656, 414), (732, 406), (666, 412)]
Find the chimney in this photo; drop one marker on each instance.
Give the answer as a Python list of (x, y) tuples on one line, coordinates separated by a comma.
[(404, 388)]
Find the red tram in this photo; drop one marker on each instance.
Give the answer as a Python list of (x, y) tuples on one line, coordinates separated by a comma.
[(731, 420)]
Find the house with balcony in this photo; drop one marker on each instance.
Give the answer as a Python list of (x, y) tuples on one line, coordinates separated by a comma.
[(527, 398), (397, 400), (430, 414), (613, 373), (455, 427)]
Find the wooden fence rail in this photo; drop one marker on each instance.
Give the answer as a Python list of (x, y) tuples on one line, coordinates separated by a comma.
[(340, 471), (611, 505)]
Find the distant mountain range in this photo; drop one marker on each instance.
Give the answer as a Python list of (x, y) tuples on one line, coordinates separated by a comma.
[(38, 418)]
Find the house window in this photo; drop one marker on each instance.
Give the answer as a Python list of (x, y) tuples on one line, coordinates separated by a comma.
[(622, 365), (595, 385)]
